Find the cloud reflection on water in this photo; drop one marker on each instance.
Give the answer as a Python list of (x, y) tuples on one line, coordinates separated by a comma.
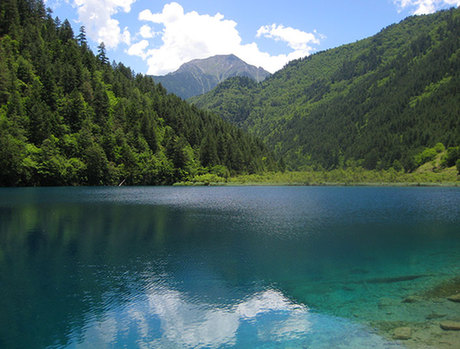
[(184, 323), (166, 318)]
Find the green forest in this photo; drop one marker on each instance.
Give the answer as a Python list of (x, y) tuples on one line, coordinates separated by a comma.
[(69, 116), (378, 103)]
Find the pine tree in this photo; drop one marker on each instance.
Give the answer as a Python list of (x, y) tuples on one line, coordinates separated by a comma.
[(101, 55), (81, 37)]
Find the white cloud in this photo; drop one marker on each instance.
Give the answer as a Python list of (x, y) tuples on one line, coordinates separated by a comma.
[(96, 16), (421, 7), (138, 49), (296, 39), (126, 36), (190, 35), (147, 32)]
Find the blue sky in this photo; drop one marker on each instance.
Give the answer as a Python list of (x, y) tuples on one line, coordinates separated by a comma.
[(156, 36)]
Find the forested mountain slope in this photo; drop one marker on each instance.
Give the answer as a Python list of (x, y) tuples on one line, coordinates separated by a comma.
[(67, 116), (377, 102), (202, 75)]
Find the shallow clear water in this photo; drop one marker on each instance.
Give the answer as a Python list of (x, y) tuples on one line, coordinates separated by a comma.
[(178, 267)]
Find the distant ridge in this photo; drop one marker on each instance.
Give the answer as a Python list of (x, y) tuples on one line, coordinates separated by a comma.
[(202, 75), (379, 102)]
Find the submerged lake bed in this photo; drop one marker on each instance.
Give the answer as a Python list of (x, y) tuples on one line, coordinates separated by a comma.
[(208, 267)]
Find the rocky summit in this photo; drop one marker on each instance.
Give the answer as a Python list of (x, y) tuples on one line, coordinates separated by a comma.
[(202, 75)]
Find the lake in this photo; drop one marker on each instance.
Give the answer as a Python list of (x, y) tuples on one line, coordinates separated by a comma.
[(245, 267)]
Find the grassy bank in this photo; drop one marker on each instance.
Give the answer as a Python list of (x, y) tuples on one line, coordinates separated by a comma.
[(350, 176)]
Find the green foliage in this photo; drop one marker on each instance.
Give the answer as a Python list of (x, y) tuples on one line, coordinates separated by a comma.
[(10, 158), (426, 155), (397, 166), (101, 55), (207, 179), (379, 100), (350, 176), (453, 154), (221, 171), (68, 117), (439, 148)]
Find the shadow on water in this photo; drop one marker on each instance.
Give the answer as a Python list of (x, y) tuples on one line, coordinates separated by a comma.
[(163, 264)]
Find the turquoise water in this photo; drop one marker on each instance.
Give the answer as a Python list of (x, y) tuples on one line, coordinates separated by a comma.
[(246, 267)]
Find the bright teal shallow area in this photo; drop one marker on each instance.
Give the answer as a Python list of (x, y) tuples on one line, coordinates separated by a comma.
[(200, 267)]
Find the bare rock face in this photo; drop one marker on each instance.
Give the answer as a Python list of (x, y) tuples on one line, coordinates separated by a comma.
[(402, 333), (202, 75), (450, 325)]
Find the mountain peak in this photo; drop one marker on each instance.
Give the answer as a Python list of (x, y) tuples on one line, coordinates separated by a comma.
[(201, 75)]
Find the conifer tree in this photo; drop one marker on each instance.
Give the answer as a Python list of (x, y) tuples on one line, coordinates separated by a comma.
[(101, 54), (81, 37)]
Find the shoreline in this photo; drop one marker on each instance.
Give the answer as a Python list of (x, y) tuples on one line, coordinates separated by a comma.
[(330, 184), (339, 177)]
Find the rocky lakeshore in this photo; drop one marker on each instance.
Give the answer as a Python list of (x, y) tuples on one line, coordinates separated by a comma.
[(435, 317)]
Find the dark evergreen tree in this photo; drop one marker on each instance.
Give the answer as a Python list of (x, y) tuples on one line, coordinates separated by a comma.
[(81, 37), (101, 54)]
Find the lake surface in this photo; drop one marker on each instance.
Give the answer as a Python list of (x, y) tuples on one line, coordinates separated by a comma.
[(206, 267)]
